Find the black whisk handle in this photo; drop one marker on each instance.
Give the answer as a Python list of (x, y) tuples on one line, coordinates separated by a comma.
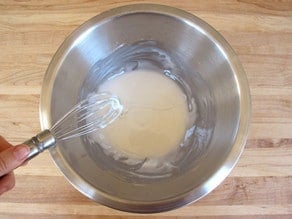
[(39, 143)]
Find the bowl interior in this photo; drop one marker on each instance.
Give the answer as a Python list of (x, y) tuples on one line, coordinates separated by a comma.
[(213, 74)]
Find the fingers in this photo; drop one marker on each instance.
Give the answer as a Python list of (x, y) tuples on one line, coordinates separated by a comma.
[(12, 158), (7, 182), (4, 144)]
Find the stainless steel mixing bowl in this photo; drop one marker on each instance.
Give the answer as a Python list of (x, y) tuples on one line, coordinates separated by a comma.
[(199, 46)]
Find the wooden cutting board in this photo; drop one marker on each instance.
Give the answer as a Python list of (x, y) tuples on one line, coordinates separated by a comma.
[(261, 34)]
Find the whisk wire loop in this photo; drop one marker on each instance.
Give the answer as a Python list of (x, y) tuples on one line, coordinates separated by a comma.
[(95, 112)]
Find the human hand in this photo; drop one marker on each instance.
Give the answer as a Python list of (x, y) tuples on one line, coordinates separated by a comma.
[(11, 157)]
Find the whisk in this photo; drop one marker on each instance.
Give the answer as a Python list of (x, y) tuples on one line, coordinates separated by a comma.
[(91, 114)]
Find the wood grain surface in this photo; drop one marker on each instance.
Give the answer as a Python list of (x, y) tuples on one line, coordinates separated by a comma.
[(260, 186)]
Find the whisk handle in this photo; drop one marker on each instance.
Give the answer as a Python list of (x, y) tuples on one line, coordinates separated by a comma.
[(39, 143)]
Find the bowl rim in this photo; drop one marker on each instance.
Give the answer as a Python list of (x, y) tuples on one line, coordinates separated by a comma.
[(244, 120)]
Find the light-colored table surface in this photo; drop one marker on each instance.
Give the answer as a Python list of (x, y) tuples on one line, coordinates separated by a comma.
[(261, 34)]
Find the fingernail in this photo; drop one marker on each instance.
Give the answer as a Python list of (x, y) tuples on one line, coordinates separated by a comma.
[(21, 152)]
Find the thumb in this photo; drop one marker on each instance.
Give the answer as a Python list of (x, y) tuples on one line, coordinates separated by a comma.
[(12, 157)]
